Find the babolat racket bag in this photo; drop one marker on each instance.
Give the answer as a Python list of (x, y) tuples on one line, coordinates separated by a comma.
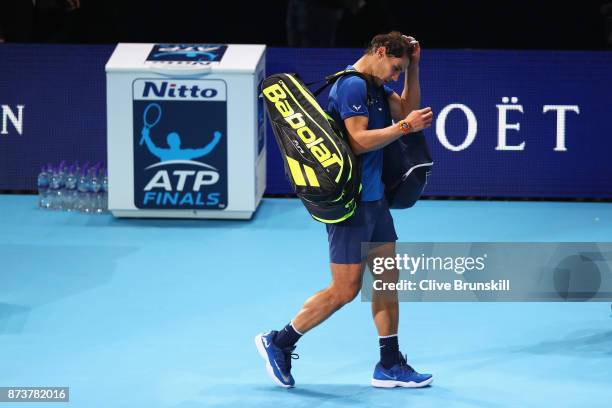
[(319, 163), (406, 165)]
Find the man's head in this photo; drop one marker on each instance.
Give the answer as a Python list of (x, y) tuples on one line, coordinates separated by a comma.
[(391, 53), (173, 140)]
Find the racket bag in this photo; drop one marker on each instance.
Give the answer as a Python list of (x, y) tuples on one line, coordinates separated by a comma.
[(318, 161)]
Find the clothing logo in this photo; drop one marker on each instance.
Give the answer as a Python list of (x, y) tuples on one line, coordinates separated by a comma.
[(180, 144), (356, 107), (199, 54), (284, 377), (265, 341), (392, 377)]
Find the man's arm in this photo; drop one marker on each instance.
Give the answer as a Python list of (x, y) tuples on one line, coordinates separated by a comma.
[(410, 99), (363, 140)]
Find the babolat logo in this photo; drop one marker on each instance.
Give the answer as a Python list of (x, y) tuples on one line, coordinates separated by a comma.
[(180, 144), (186, 53), (317, 146)]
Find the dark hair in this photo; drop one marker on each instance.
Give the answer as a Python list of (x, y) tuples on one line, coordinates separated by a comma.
[(394, 42)]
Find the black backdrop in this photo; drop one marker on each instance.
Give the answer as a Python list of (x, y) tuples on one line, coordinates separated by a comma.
[(510, 24)]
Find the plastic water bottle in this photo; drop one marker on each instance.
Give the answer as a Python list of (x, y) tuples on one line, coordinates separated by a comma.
[(101, 195), (73, 187), (62, 182), (83, 188), (88, 189), (105, 191), (94, 191), (43, 188), (55, 189), (50, 193), (70, 189)]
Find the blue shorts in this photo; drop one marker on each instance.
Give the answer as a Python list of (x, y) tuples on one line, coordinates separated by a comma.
[(372, 222)]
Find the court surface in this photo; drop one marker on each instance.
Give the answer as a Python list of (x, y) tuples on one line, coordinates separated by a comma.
[(162, 313)]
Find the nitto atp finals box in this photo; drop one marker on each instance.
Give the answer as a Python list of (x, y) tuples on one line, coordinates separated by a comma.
[(186, 130)]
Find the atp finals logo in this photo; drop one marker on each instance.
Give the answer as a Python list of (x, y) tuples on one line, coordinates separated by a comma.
[(180, 144), (192, 54)]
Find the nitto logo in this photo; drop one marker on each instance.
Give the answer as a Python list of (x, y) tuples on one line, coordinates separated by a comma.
[(166, 89), (15, 117)]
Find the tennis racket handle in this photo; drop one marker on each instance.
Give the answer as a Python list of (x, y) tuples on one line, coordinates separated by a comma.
[(144, 133), (175, 71)]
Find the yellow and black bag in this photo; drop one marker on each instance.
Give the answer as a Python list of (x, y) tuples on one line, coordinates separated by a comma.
[(319, 163)]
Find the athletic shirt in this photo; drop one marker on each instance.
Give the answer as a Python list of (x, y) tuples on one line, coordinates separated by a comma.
[(349, 97)]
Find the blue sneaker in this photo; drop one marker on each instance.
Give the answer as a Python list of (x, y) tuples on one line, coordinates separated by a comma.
[(278, 361), (400, 375)]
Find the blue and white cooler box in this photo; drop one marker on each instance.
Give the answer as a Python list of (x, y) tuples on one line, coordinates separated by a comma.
[(186, 131)]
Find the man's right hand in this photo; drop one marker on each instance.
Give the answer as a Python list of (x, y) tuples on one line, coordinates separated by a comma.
[(419, 119)]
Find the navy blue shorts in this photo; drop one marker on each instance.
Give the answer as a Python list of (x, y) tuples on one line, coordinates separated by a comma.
[(372, 222)]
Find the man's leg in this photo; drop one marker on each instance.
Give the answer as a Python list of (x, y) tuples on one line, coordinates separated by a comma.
[(392, 370), (345, 240), (346, 264), (345, 285), (385, 306), (277, 347)]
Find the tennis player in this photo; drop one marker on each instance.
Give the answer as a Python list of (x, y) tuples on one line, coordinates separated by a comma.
[(374, 116)]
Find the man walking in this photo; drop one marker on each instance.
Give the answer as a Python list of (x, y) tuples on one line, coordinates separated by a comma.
[(367, 108)]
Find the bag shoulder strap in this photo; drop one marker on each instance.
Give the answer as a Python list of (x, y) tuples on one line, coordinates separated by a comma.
[(331, 79)]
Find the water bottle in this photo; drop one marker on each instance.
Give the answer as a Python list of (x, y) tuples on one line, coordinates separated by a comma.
[(50, 193), (62, 182), (43, 188), (105, 191), (82, 188), (94, 191), (101, 195), (71, 192), (55, 186), (88, 196)]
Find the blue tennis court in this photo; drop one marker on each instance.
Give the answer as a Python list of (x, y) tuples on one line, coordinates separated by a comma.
[(162, 313)]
